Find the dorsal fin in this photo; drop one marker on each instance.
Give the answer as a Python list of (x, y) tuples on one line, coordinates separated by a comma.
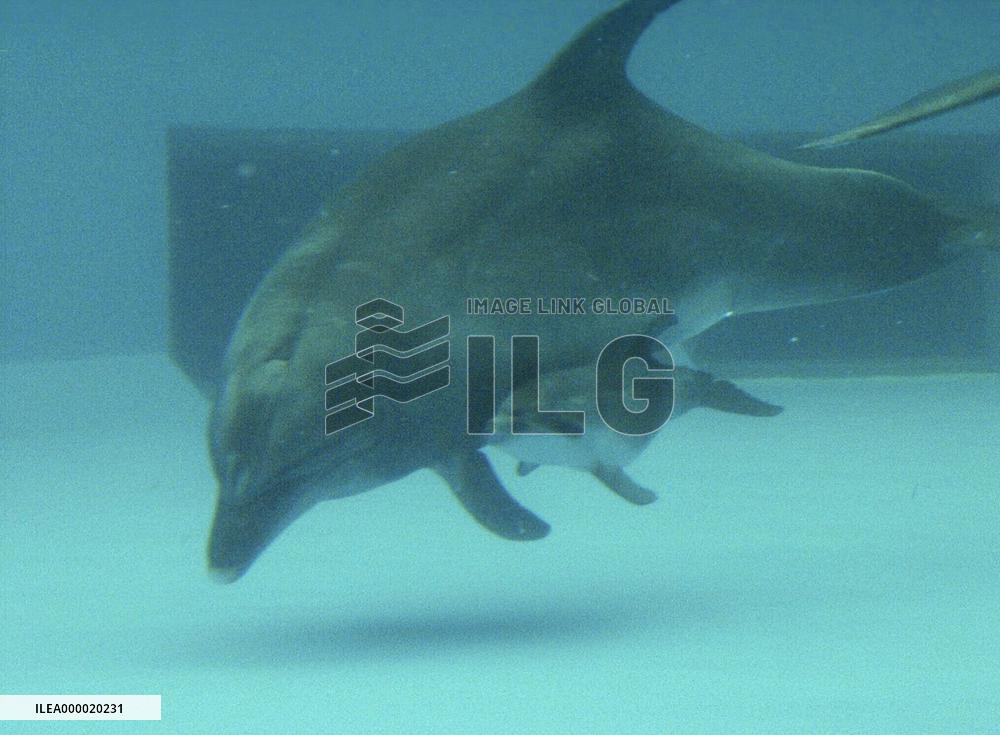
[(595, 60)]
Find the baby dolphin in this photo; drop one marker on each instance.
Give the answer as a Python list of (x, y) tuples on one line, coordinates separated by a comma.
[(600, 450)]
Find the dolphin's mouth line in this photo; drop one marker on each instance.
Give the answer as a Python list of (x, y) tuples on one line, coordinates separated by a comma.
[(242, 530), (249, 515)]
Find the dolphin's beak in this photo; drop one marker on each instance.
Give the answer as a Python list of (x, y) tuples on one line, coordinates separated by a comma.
[(243, 528), (256, 503), (238, 536)]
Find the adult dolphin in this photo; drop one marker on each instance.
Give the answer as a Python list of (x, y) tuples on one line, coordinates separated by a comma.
[(576, 186)]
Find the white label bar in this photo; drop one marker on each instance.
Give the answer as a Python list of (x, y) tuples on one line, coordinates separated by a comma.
[(79, 706)]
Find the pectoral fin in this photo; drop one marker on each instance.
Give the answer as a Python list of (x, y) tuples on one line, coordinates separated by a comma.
[(525, 468), (484, 497), (965, 91), (724, 396)]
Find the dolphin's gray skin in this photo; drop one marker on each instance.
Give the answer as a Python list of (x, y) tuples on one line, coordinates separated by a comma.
[(601, 451), (576, 186), (948, 96)]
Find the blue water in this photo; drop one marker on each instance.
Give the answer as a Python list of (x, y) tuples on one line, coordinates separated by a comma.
[(833, 570)]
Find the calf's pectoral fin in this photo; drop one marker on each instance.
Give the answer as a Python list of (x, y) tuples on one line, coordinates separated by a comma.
[(525, 468)]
